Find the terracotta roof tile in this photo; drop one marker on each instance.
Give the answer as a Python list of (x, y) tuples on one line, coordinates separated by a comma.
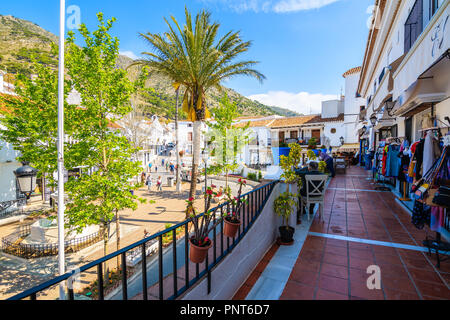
[(291, 121), (352, 71)]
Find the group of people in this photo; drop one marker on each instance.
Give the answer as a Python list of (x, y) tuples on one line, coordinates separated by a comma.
[(169, 166), (147, 179)]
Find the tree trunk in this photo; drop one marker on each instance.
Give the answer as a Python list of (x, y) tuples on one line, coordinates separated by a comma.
[(105, 252), (118, 237), (195, 158)]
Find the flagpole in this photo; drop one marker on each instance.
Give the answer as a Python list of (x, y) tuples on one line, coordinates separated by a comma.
[(61, 205)]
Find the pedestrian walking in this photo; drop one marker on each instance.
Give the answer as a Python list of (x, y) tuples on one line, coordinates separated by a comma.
[(159, 184), (156, 168), (162, 162), (150, 167), (149, 183), (143, 177)]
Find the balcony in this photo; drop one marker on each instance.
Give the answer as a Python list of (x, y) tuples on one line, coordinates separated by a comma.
[(328, 259)]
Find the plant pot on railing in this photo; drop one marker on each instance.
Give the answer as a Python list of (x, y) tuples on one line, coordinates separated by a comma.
[(197, 253), (231, 226)]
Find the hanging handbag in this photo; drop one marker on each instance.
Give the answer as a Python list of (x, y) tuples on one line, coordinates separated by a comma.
[(442, 197)]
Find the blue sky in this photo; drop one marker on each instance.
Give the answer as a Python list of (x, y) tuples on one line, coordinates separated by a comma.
[(304, 46)]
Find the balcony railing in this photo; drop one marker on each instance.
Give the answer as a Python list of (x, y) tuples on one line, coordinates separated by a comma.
[(168, 273)]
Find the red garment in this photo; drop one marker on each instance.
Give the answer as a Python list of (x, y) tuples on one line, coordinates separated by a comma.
[(413, 147), (383, 161)]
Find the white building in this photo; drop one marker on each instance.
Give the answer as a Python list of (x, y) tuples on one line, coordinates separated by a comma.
[(406, 68)]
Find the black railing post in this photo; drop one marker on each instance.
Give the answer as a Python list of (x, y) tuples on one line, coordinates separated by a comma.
[(160, 261), (144, 272), (100, 281), (174, 243), (124, 277), (186, 254)]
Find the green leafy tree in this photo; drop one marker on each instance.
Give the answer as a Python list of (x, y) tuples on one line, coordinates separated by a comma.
[(30, 120), (196, 60), (105, 92), (226, 139)]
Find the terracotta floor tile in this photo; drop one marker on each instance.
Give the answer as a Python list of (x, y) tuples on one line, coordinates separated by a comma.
[(361, 291), (400, 284), (398, 295), (333, 284), (304, 277), (242, 293), (341, 251), (328, 295), (433, 290), (297, 291), (307, 265), (362, 264), (334, 271), (425, 275), (252, 278)]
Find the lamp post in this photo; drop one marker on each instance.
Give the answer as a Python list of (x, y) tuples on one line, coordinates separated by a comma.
[(373, 119), (26, 178), (60, 146)]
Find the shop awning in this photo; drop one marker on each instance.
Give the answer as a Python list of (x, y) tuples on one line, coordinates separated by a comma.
[(430, 87), (349, 147)]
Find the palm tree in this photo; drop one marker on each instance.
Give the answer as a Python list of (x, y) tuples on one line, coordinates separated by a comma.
[(195, 59)]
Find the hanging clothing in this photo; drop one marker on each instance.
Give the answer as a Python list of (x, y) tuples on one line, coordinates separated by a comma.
[(420, 215), (418, 155), (431, 152), (437, 219), (393, 161)]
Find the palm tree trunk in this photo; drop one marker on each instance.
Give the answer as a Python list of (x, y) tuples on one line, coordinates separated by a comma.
[(195, 158)]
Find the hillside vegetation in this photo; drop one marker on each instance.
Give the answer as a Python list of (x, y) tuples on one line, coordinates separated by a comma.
[(22, 40)]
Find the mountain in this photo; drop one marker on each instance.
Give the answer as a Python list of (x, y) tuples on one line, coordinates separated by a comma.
[(21, 39)]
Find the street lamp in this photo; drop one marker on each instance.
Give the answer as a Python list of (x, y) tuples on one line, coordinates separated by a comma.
[(26, 178), (373, 119), (342, 140)]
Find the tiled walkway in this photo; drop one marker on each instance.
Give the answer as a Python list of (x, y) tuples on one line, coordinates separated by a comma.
[(363, 227)]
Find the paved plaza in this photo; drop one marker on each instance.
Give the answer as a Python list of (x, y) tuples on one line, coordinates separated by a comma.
[(329, 259)]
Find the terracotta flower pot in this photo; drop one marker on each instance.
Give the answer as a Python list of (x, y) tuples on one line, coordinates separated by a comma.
[(198, 254), (230, 228)]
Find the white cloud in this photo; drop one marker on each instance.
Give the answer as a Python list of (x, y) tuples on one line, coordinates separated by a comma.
[(278, 6), (302, 102), (129, 54), (300, 5)]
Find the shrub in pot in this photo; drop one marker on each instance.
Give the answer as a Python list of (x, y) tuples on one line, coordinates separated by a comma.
[(286, 202), (283, 207)]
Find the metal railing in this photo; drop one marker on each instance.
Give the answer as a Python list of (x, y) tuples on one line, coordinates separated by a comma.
[(169, 273), (13, 244)]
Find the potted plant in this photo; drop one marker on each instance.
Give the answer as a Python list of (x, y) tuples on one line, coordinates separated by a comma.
[(285, 202), (282, 206), (199, 241), (231, 219)]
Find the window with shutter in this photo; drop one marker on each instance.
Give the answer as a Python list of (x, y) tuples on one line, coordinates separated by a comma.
[(414, 25)]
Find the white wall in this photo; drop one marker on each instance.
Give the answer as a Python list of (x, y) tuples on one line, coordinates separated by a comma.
[(352, 108), (332, 108)]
